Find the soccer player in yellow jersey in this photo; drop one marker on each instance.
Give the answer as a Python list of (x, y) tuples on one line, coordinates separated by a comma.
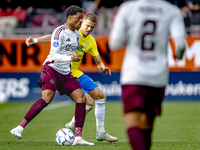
[(91, 90)]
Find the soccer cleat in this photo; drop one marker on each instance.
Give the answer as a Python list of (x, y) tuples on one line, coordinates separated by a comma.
[(106, 137), (17, 132), (71, 128), (81, 141)]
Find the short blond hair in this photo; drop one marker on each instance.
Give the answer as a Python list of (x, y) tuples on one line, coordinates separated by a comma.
[(90, 16)]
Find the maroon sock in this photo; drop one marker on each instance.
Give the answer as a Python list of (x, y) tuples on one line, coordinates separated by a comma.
[(147, 137), (80, 113), (136, 139), (35, 109)]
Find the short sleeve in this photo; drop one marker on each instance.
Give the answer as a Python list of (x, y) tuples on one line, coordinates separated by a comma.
[(94, 50), (56, 40)]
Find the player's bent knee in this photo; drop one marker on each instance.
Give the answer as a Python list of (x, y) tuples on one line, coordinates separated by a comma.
[(132, 119), (48, 100), (146, 122), (78, 96), (103, 96), (47, 96)]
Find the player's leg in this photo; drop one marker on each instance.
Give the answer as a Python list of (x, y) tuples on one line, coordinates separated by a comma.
[(146, 126), (36, 108), (133, 103), (48, 91), (80, 112), (100, 98), (89, 106), (135, 134), (71, 87), (153, 108)]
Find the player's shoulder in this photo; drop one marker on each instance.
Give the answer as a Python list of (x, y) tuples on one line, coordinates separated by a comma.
[(169, 6), (91, 39), (59, 30)]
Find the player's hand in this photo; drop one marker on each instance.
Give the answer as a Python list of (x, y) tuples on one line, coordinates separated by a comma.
[(29, 41), (106, 70), (75, 57)]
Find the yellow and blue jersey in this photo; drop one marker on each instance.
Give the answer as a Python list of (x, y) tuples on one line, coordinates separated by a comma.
[(86, 45)]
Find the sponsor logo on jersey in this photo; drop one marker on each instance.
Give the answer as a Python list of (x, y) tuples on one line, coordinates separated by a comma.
[(70, 47), (55, 44)]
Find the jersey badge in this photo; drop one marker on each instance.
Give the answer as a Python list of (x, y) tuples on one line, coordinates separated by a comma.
[(55, 44)]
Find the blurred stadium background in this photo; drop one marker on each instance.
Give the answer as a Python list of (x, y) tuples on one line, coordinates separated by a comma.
[(177, 128), (20, 65)]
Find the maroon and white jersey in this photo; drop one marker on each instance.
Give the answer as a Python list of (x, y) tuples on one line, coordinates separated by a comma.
[(145, 26), (63, 42)]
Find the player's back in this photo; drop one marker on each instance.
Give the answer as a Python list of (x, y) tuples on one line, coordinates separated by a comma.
[(149, 22), (147, 29)]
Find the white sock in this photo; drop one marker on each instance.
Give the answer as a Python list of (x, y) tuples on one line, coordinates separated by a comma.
[(72, 122), (100, 115), (88, 109)]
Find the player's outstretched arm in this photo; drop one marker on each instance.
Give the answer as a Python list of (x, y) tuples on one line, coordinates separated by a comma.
[(101, 66), (43, 39), (59, 57)]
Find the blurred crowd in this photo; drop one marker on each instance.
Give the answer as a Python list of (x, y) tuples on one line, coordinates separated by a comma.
[(19, 17)]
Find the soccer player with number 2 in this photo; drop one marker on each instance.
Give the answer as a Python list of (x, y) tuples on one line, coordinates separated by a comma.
[(145, 26)]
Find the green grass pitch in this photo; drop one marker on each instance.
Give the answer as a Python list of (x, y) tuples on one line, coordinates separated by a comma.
[(177, 129)]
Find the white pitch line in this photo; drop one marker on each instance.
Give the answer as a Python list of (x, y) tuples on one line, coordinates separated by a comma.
[(58, 105), (169, 140)]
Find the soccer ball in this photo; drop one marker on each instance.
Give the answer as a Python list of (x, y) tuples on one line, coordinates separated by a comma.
[(65, 137)]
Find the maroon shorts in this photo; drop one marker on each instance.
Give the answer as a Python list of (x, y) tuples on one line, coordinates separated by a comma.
[(142, 98), (50, 79)]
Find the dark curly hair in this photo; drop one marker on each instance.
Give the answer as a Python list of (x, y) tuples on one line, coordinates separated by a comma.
[(73, 10)]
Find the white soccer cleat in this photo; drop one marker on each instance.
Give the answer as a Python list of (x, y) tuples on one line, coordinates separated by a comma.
[(81, 141), (106, 137), (17, 132)]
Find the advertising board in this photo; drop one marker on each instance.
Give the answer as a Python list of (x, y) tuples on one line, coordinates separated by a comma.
[(20, 70)]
